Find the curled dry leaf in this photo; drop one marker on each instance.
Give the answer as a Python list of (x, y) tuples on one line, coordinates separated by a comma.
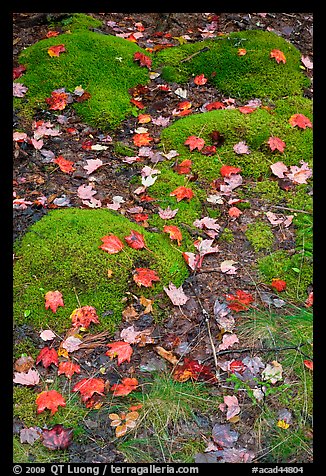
[(278, 55), (174, 232), (56, 50), (47, 335), (166, 354), (227, 266), (24, 363)]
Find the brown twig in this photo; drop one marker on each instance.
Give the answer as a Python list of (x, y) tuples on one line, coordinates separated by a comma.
[(194, 54)]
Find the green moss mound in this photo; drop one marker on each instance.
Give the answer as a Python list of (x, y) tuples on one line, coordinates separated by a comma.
[(245, 77), (102, 64), (61, 252), (255, 129), (260, 235)]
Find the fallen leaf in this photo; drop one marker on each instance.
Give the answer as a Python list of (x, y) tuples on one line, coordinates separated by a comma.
[(85, 192), (137, 337), (135, 240), (161, 121), (241, 148), (306, 61), (240, 301), (30, 435), (224, 436), (148, 181), (299, 174), (88, 386), (47, 335), (56, 50), (51, 400), (200, 80), (145, 277), (24, 363), (32, 377), (57, 438), (234, 212), (47, 356), (193, 369), (223, 316), (207, 223), (168, 213), (228, 340), (232, 405), (37, 144), (65, 165), (84, 316), (232, 182), (272, 372), (184, 167), (119, 349), (166, 354), (126, 386), (209, 150), (237, 366), (68, 368), (143, 59), (246, 109), (147, 303), (92, 165), (309, 364), (174, 232), (279, 169), (310, 300), (278, 284), (19, 90), (227, 266), (278, 55), (57, 101), (71, 344), (214, 105), (195, 142), (300, 120), (112, 244), (275, 143), (237, 455), (181, 193), (18, 71), (242, 51), (176, 295), (205, 247)]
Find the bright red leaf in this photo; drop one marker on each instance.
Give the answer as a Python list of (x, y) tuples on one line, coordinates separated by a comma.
[(310, 299), (57, 101), (227, 170), (237, 366), (278, 55), (145, 277), (112, 244), (143, 59), (56, 50), (278, 284), (184, 167), (142, 139), (84, 316), (239, 301), (68, 368), (120, 349), (193, 369), (47, 356), (140, 217), (135, 240), (65, 165), (181, 193), (246, 109), (53, 299), (88, 386), (52, 34), (137, 103), (126, 386), (214, 105), (309, 364), (200, 80), (51, 400), (300, 120), (174, 232), (57, 438), (275, 143), (195, 142)]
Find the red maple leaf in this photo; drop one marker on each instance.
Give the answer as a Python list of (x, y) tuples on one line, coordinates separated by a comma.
[(300, 120), (310, 299), (145, 277), (51, 34), (195, 142), (120, 349), (237, 366), (181, 193), (278, 284), (278, 55), (18, 71), (209, 150), (239, 301), (246, 109), (65, 165), (57, 438), (275, 143), (184, 167), (200, 80), (47, 356), (193, 369), (143, 59), (83, 316), (56, 50), (57, 101), (140, 217), (51, 400), (136, 240), (68, 368), (88, 386), (309, 364), (126, 386), (112, 244), (53, 299), (227, 170), (138, 104), (142, 139), (174, 232), (214, 105)]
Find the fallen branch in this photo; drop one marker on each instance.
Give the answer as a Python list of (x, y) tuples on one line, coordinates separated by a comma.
[(195, 54)]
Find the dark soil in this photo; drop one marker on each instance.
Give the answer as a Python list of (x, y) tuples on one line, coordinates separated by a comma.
[(34, 178)]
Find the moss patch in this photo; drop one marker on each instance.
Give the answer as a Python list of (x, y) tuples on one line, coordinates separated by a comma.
[(260, 235), (61, 252), (245, 77), (102, 64)]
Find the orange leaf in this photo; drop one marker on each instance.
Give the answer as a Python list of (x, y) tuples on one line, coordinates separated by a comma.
[(195, 142), (278, 55), (145, 276), (126, 386), (138, 104), (227, 170), (144, 118), (242, 51), (278, 284), (200, 80), (300, 120), (112, 244), (57, 101), (88, 386), (83, 316), (246, 109), (193, 369), (309, 364), (65, 165), (51, 34), (51, 400), (166, 354), (214, 105), (53, 299), (181, 193), (234, 212), (143, 59), (68, 368), (56, 50), (184, 167), (275, 143), (47, 356), (142, 139), (175, 233), (239, 301), (136, 240), (120, 349)]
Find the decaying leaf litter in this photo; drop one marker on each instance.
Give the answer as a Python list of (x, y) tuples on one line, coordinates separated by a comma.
[(195, 343)]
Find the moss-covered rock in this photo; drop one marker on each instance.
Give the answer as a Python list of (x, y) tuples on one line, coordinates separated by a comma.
[(252, 75), (102, 64), (61, 252)]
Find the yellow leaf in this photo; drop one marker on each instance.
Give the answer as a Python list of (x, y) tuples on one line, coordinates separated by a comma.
[(147, 303), (63, 353), (234, 419), (114, 416), (283, 424), (121, 430), (110, 273), (132, 416)]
